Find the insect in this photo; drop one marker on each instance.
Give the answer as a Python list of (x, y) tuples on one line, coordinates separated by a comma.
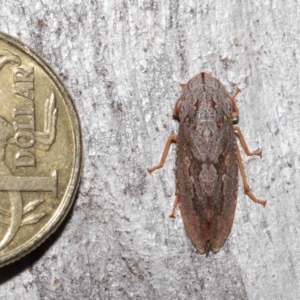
[(207, 161)]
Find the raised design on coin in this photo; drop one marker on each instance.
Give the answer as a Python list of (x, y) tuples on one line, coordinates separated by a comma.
[(40, 150)]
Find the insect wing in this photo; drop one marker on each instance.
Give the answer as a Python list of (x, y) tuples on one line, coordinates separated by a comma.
[(207, 182)]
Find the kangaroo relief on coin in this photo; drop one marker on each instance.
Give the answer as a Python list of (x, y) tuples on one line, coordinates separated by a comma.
[(207, 161)]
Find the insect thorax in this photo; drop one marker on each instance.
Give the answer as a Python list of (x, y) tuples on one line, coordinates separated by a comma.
[(205, 109)]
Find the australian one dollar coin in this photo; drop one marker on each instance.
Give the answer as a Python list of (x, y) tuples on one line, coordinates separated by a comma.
[(40, 150)]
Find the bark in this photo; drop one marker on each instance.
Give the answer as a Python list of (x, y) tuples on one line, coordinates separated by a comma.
[(123, 62)]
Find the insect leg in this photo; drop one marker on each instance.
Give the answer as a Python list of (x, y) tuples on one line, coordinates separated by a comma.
[(176, 201), (172, 138), (246, 185), (236, 111), (244, 144)]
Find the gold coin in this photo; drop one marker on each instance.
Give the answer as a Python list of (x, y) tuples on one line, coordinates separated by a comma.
[(40, 150)]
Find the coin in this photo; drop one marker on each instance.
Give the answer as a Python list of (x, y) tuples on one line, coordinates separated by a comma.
[(40, 150)]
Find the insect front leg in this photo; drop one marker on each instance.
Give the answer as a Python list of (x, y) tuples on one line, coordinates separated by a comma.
[(172, 138), (236, 111), (241, 165)]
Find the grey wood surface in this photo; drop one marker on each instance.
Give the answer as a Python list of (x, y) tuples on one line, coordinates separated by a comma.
[(123, 62)]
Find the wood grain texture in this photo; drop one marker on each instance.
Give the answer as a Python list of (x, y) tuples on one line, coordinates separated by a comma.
[(123, 62)]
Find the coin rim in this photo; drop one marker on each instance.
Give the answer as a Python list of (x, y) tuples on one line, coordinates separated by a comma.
[(69, 197)]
